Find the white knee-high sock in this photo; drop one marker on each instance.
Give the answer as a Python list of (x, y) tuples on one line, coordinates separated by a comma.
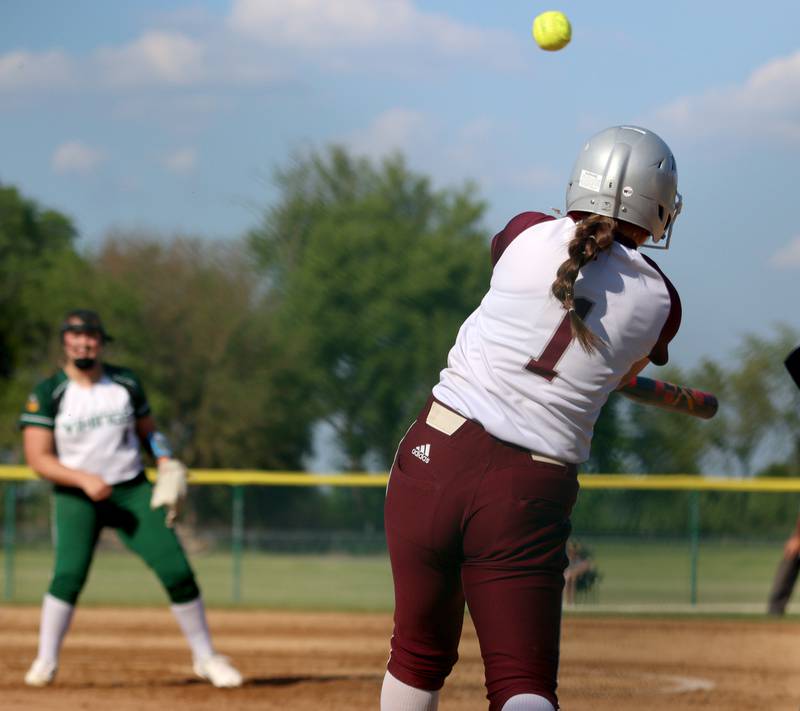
[(397, 696), (56, 616), (528, 702), (191, 617)]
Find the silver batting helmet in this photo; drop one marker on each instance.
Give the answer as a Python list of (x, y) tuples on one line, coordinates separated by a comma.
[(627, 173)]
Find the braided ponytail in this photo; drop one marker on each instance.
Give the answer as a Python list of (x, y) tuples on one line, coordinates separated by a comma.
[(593, 235)]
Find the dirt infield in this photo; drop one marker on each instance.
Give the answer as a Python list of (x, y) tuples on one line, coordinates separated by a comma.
[(127, 659)]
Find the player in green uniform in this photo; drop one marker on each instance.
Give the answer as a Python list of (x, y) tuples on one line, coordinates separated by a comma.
[(82, 430)]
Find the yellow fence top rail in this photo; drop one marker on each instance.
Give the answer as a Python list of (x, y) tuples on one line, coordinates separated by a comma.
[(664, 482)]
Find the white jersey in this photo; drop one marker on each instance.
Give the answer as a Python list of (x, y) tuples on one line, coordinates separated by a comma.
[(514, 367), (94, 427)]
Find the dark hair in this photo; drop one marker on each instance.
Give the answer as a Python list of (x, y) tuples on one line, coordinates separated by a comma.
[(593, 234)]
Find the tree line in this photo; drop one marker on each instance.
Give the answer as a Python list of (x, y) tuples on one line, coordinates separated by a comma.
[(338, 307)]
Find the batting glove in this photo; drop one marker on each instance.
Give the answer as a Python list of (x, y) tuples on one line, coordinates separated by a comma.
[(170, 488)]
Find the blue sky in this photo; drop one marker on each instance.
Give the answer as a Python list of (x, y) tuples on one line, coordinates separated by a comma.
[(172, 116)]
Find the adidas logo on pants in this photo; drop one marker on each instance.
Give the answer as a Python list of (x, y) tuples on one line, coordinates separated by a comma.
[(422, 452)]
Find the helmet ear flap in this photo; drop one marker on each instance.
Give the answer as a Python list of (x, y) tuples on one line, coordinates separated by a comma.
[(668, 225)]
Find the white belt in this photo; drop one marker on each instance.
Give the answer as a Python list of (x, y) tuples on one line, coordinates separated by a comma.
[(445, 420), (547, 460)]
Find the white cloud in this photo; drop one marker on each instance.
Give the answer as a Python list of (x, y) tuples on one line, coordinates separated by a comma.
[(397, 129), (154, 58), (788, 257), (182, 161), (76, 157), (452, 155), (317, 24), (766, 105), (360, 24), (28, 70), (267, 43)]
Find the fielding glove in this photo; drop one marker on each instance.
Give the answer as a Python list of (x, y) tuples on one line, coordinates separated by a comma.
[(170, 488)]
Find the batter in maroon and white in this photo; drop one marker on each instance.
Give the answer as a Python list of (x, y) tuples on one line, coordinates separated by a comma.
[(520, 331), (483, 484)]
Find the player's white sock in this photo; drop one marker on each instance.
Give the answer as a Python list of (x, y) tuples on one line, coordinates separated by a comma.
[(56, 616), (528, 702), (191, 617), (397, 696)]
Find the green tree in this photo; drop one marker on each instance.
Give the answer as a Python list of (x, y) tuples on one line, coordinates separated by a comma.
[(759, 405), (32, 241), (664, 442), (40, 273), (374, 271), (192, 318)]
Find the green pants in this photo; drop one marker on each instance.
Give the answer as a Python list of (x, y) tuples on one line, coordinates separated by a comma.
[(79, 520)]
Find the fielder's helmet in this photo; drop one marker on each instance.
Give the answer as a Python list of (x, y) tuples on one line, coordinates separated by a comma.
[(84, 321), (627, 173)]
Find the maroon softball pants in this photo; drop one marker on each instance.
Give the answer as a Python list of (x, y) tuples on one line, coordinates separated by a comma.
[(472, 519)]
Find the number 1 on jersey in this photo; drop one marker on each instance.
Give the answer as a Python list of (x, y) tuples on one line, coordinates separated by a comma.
[(545, 364)]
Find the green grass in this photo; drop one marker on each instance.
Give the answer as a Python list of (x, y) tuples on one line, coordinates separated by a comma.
[(643, 572), (324, 582), (633, 572)]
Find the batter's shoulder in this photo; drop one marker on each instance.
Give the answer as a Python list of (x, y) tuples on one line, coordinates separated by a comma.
[(515, 227), (660, 353)]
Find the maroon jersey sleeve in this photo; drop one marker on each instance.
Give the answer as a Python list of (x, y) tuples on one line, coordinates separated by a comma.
[(660, 353), (516, 226)]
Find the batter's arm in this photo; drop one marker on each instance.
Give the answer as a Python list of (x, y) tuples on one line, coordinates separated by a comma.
[(636, 368), (40, 453)]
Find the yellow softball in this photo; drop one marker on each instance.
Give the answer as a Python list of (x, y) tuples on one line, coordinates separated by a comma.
[(552, 30)]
